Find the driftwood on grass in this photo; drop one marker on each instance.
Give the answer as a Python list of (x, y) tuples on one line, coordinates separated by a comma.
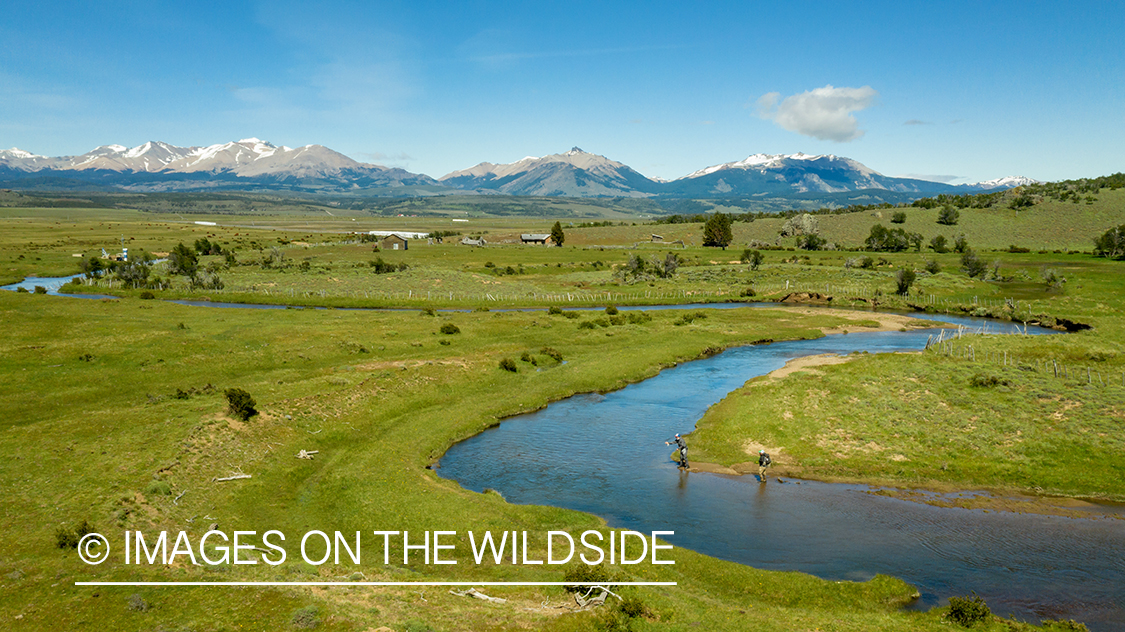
[(230, 478), (307, 454), (476, 594)]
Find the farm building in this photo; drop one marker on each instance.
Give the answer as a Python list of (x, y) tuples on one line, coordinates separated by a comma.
[(469, 241), (394, 242), (535, 238)]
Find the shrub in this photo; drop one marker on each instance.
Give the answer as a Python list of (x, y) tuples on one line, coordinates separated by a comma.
[(552, 354), (753, 257), (587, 324), (748, 292), (981, 380), (22, 290), (585, 573), (306, 618), (554, 310), (414, 625), (968, 611), (932, 266), (899, 217), (527, 357), (147, 295), (1067, 624), (939, 244), (429, 311), (639, 318), (450, 328), (903, 280), (973, 265), (571, 315), (241, 403), (69, 538), (509, 364), (136, 603), (39, 289), (158, 488), (611, 310)]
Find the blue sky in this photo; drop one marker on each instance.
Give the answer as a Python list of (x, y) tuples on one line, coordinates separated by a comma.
[(972, 90)]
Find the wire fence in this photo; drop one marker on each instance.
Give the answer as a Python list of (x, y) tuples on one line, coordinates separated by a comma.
[(957, 344)]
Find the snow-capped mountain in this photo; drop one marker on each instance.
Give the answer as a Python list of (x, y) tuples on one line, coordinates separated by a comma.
[(248, 162), (792, 173), (252, 163), (576, 173), (1007, 182)]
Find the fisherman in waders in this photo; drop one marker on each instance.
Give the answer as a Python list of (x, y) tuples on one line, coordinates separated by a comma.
[(679, 441), (763, 463)]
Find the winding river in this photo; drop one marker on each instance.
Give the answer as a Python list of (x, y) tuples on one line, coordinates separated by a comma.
[(605, 454)]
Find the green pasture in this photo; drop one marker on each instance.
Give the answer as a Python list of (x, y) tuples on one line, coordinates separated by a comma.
[(115, 407)]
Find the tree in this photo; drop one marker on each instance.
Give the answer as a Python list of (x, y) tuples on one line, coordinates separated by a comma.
[(948, 216), (810, 242), (883, 239), (557, 234), (183, 260), (899, 217), (939, 244), (960, 244), (91, 266), (753, 257), (973, 265), (717, 231), (1112, 243), (904, 279)]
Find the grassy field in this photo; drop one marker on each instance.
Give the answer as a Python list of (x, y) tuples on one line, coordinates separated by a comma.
[(116, 413)]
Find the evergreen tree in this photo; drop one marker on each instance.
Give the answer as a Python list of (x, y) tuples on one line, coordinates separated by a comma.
[(557, 234), (717, 231)]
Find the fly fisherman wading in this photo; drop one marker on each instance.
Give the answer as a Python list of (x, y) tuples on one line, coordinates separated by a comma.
[(763, 463), (679, 441)]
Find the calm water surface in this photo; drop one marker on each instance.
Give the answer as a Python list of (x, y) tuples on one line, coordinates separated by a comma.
[(605, 454)]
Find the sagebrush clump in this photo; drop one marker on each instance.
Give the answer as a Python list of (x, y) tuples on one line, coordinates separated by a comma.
[(241, 403)]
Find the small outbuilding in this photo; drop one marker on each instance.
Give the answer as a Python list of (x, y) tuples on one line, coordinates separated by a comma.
[(469, 241), (535, 238), (394, 242)]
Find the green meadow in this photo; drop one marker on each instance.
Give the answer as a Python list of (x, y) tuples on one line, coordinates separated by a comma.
[(116, 415)]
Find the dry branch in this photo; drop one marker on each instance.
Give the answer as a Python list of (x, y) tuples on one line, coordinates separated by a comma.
[(230, 478)]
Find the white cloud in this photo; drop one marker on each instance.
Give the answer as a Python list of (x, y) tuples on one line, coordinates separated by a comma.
[(824, 113)]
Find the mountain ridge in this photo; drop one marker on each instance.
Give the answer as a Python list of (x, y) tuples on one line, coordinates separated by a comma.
[(254, 163)]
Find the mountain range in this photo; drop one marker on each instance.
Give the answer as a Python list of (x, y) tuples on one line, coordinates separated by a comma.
[(253, 164)]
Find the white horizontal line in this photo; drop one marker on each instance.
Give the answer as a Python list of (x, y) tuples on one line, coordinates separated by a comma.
[(375, 583)]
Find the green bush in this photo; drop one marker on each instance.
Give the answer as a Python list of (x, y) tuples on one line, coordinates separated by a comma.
[(611, 310), (509, 364), (932, 266), (39, 289), (69, 538), (137, 603), (429, 311), (639, 318), (1064, 624), (968, 611), (554, 310), (147, 295), (981, 380), (241, 403), (158, 488), (552, 353), (585, 573), (587, 324), (450, 328), (527, 357), (306, 618), (571, 315)]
